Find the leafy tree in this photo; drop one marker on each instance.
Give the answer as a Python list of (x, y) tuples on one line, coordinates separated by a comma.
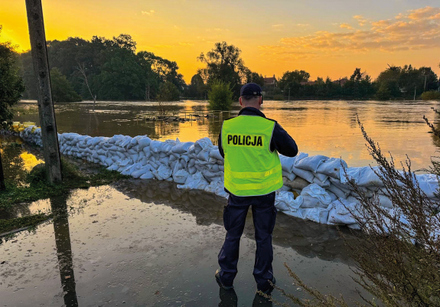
[(62, 90), (255, 78), (107, 68), (223, 63), (11, 88), (168, 92), (197, 88), (220, 96), (291, 82), (11, 84)]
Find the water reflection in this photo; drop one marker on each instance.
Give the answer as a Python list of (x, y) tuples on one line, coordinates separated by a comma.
[(307, 238), (229, 298), (319, 127), (17, 158), (64, 249)]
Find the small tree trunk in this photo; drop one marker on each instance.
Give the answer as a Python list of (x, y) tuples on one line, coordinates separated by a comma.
[(2, 176)]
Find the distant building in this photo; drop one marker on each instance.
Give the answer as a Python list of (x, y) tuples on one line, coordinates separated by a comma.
[(341, 82), (271, 81), (307, 82)]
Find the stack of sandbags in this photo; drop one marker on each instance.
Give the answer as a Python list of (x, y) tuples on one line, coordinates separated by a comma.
[(322, 183)]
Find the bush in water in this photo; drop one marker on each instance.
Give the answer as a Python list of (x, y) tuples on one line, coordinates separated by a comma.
[(220, 96), (430, 95)]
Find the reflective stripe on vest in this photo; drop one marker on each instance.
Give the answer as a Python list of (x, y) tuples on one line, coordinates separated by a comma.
[(251, 169)]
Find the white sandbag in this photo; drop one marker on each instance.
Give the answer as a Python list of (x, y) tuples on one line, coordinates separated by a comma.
[(341, 213), (113, 167), (216, 186), (311, 202), (182, 147), (289, 176), (362, 176), (203, 143), (215, 153), (310, 163), (297, 184), (155, 146), (306, 175), (144, 142), (428, 184), (138, 173), (125, 162), (332, 167), (164, 160), (287, 163), (162, 173), (317, 215), (298, 213), (180, 176), (196, 181), (203, 155), (317, 192), (285, 201), (321, 180), (337, 191), (147, 175), (385, 201)]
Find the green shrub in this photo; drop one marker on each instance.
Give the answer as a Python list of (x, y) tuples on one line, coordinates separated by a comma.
[(168, 92), (220, 96), (430, 95)]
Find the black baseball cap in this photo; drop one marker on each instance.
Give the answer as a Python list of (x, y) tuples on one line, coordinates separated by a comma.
[(251, 89)]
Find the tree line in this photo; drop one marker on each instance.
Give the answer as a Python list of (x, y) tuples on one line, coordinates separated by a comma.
[(111, 69)]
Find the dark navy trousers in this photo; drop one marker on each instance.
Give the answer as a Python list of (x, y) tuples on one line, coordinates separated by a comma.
[(234, 218)]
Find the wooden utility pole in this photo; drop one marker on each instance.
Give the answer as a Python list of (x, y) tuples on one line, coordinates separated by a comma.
[(49, 134)]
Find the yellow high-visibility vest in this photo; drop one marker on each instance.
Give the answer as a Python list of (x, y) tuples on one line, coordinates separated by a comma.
[(251, 169)]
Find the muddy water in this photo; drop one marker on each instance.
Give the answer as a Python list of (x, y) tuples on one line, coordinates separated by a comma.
[(147, 243), (319, 127)]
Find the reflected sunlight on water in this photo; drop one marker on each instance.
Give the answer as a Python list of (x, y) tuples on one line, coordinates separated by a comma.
[(319, 127)]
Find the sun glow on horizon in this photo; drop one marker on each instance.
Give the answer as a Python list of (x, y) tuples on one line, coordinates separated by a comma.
[(321, 38)]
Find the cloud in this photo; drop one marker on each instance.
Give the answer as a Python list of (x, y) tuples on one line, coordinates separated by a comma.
[(345, 26), (277, 27), (185, 44), (148, 13), (361, 20), (423, 13), (412, 30), (216, 30)]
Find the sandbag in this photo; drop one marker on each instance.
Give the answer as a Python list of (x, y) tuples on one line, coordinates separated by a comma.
[(297, 184), (362, 176), (307, 175), (332, 167), (311, 163), (285, 201)]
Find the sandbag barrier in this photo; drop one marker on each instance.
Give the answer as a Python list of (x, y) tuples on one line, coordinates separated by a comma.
[(320, 183)]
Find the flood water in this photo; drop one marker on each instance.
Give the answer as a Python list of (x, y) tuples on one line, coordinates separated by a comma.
[(320, 127), (147, 243)]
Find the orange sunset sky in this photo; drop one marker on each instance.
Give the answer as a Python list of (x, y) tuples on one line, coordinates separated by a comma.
[(322, 37)]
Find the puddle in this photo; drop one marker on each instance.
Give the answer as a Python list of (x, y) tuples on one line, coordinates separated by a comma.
[(147, 243)]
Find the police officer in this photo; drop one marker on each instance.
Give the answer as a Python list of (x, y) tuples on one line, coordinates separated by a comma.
[(250, 144)]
